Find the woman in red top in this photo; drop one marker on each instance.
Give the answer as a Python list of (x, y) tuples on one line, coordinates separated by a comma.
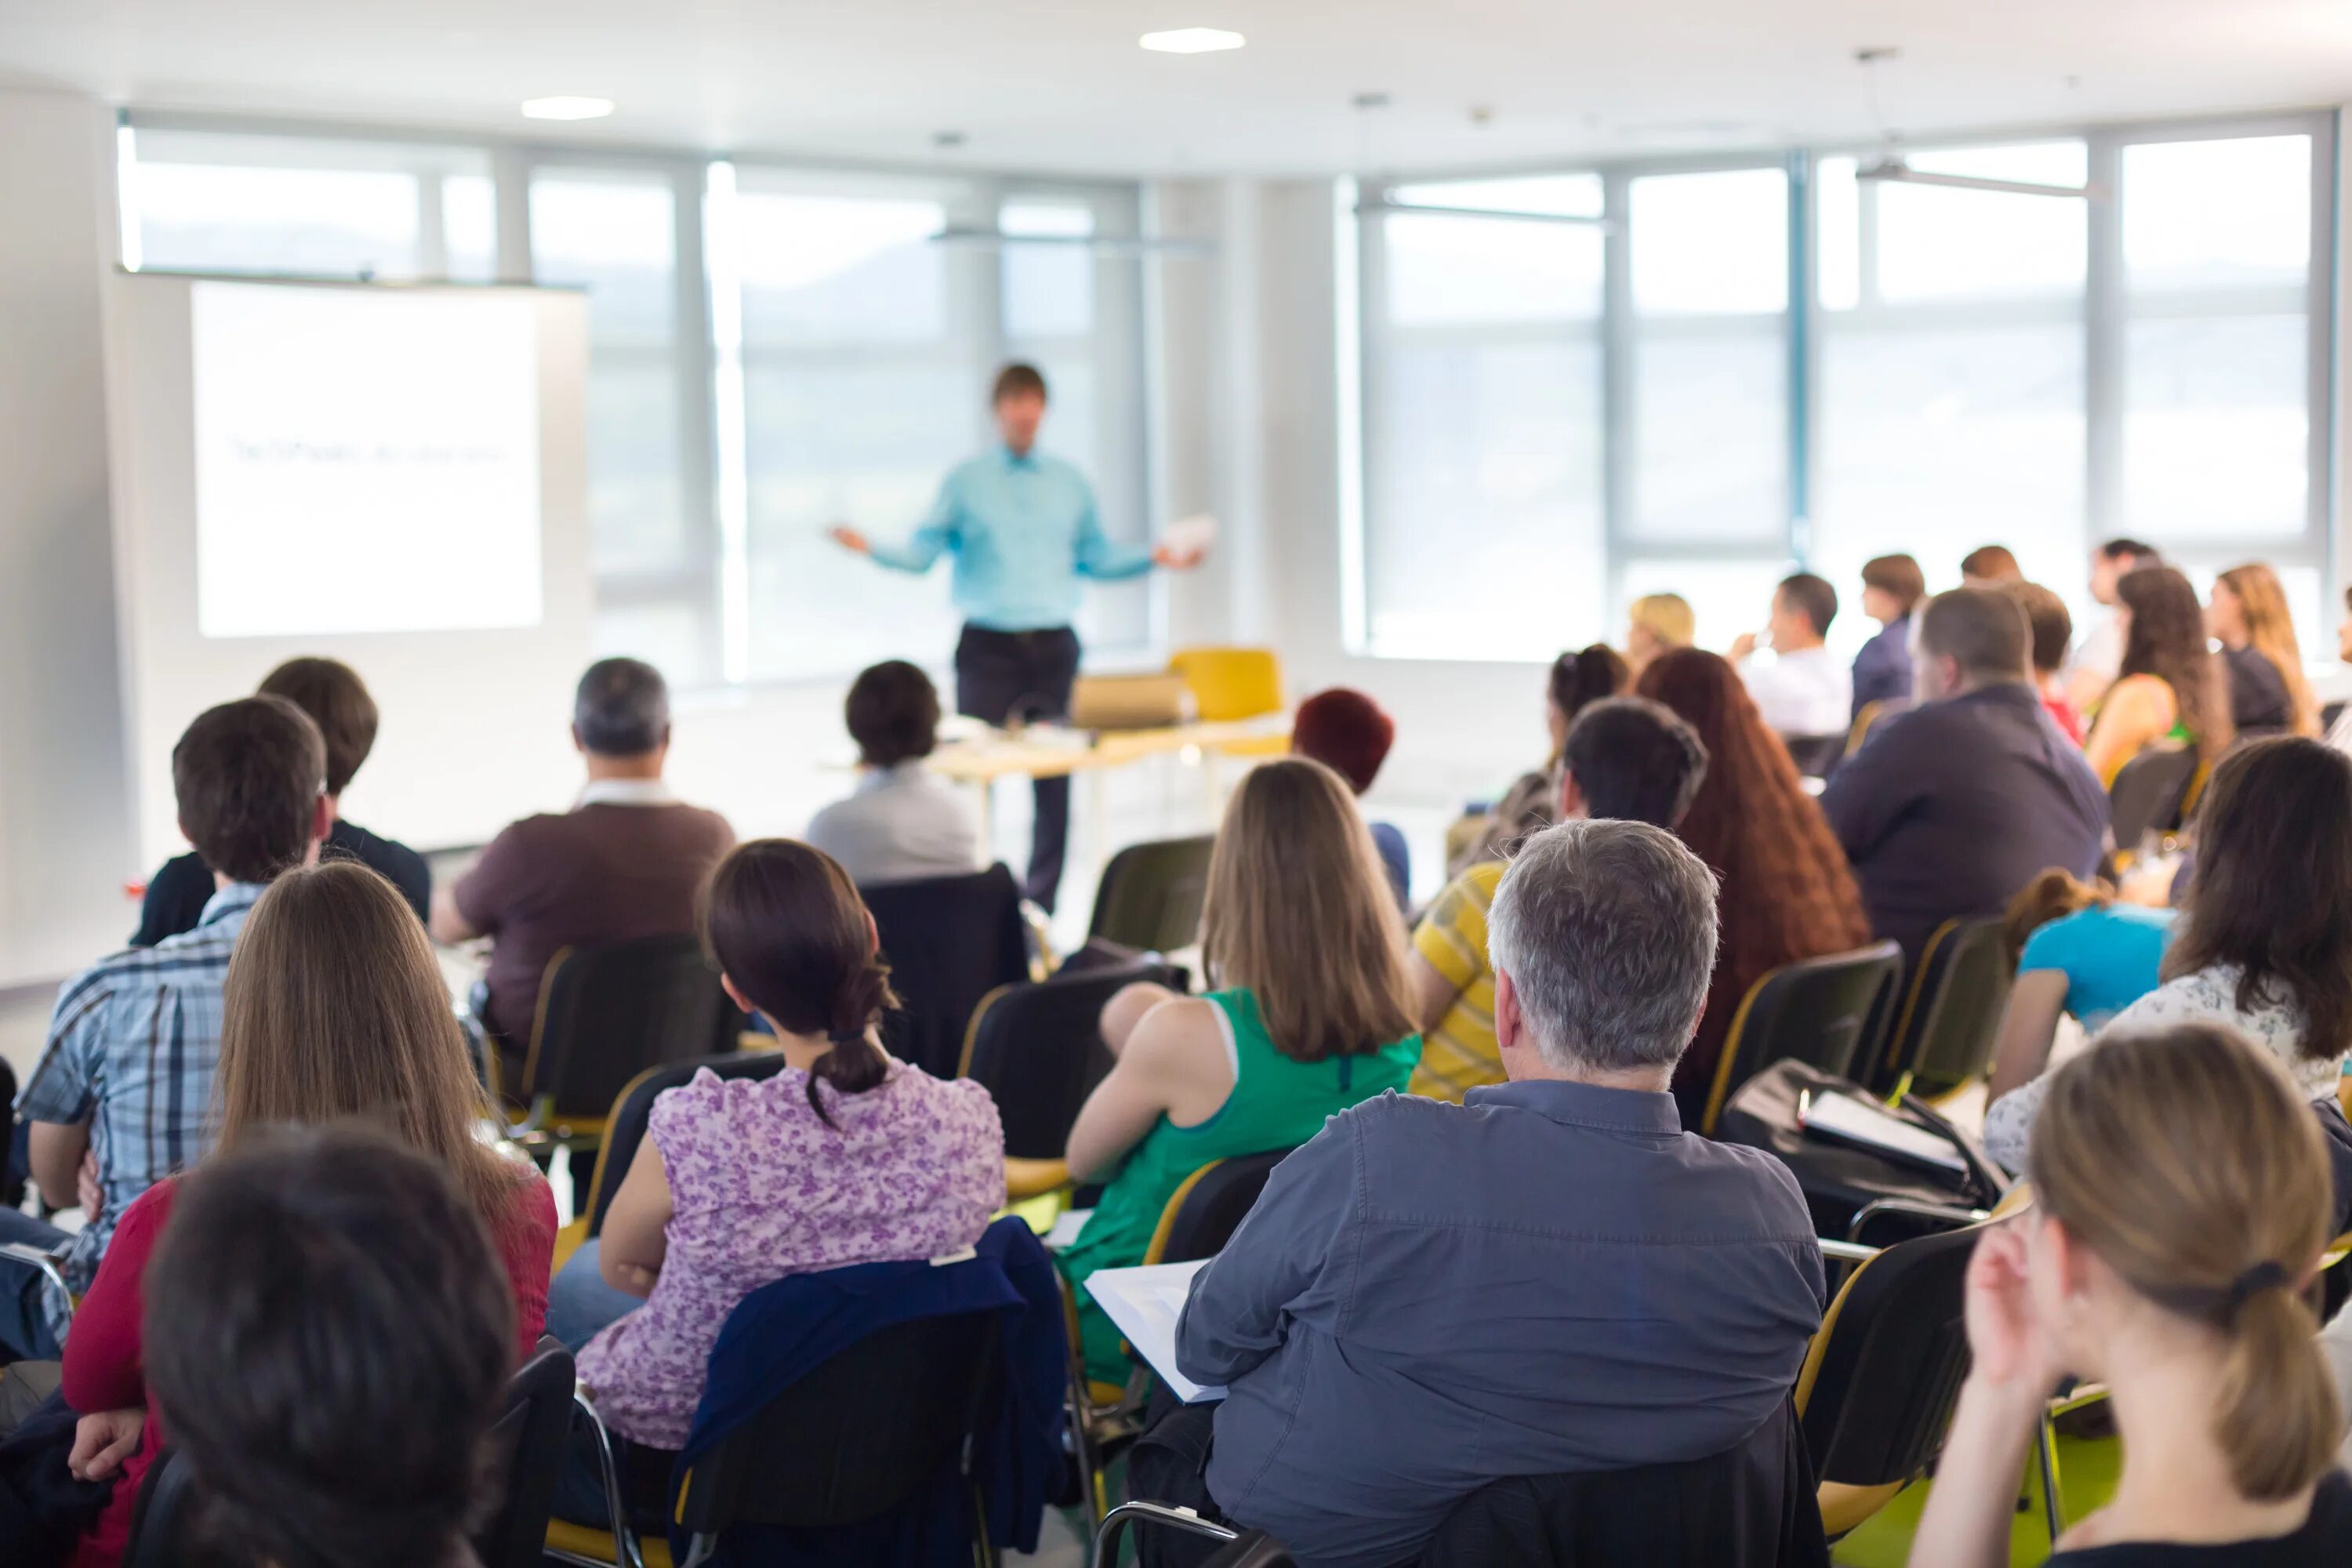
[(334, 1010)]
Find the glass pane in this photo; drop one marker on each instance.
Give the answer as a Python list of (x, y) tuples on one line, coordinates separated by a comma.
[(2215, 427), (298, 222), (1049, 290), (671, 634), (1940, 244), (1711, 243), (2218, 215), (635, 515), (1486, 481), (1712, 458), (836, 269), (1725, 597), (617, 238), (1838, 217), (1444, 271), (1936, 441), (864, 444), (469, 228)]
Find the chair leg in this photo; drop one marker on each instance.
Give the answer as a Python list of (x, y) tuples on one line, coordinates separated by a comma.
[(700, 1550), (624, 1539), (2046, 1450)]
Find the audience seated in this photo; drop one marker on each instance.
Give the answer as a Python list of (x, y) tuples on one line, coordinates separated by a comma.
[(1990, 566), (2247, 614), (1532, 803), (845, 1156), (904, 823), (1806, 690), (2264, 939), (2078, 952), (2339, 734), (1625, 758), (1657, 624), (623, 864), (1949, 809), (334, 1011), (2180, 1201), (2100, 657), (106, 1117), (1350, 733), (1786, 893), (1313, 1012), (2170, 687), (1892, 588), (329, 1341), (1553, 1277), (331, 692), (2052, 631)]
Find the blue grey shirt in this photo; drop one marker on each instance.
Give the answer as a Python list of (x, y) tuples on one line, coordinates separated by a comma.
[(1023, 529), (1550, 1276)]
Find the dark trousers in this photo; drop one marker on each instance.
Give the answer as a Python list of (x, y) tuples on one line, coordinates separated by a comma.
[(1003, 676), (1169, 1464)]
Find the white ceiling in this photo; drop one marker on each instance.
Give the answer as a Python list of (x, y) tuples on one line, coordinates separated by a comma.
[(1060, 84)]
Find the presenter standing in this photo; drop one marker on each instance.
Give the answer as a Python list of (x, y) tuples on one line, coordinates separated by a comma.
[(1023, 530)]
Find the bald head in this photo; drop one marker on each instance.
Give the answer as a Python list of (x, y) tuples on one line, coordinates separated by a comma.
[(1971, 638)]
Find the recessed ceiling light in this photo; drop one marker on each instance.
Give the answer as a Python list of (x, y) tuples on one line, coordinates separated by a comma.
[(1192, 41), (565, 107)]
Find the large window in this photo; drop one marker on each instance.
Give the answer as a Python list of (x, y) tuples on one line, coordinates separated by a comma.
[(771, 351), (1559, 418)]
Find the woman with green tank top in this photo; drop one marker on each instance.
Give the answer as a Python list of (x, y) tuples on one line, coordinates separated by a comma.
[(1312, 1013), (2171, 687)]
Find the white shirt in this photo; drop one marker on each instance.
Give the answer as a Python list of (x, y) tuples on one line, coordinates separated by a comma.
[(902, 824), (1807, 692), (2101, 651), (2208, 996), (625, 792)]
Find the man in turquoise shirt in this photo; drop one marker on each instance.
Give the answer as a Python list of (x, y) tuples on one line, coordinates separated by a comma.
[(1023, 529)]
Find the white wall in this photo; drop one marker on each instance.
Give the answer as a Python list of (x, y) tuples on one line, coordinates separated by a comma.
[(65, 812)]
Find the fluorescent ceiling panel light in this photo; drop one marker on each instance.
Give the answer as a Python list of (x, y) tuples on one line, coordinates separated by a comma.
[(566, 107), (1192, 41)]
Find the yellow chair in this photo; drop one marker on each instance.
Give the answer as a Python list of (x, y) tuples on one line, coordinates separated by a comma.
[(1230, 684)]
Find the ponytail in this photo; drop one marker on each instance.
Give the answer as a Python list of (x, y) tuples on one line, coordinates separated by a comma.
[(784, 922), (2279, 1419)]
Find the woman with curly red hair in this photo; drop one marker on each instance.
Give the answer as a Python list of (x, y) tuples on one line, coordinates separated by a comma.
[(1786, 893)]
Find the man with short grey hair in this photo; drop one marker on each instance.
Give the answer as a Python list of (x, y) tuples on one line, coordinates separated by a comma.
[(623, 864), (1554, 1259)]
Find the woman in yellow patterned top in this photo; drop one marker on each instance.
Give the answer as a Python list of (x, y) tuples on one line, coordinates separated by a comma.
[(1626, 758)]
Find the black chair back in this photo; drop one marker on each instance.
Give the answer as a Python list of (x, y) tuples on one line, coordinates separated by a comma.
[(860, 1435), (1830, 1012), (526, 1448), (1210, 1207), (1151, 895), (2150, 795), (1255, 1548), (1878, 1388), (1753, 1504), (949, 940), (1038, 1051), (1951, 1018), (606, 1014), (1817, 756), (161, 1519), (626, 1128)]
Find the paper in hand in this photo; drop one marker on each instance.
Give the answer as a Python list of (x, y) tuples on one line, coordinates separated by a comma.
[(1190, 535)]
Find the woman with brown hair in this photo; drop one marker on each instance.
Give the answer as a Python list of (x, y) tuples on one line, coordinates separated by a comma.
[(2263, 942), (2171, 687), (1313, 1012), (2247, 614), (1786, 891), (845, 1156), (2076, 952), (2182, 1197), (334, 1011), (1532, 803)]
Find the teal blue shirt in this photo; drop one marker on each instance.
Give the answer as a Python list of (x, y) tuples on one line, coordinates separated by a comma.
[(1023, 530), (2109, 953)]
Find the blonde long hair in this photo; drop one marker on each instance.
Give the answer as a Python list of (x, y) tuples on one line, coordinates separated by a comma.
[(1300, 913), (2270, 630), (335, 1010), (2185, 1160)]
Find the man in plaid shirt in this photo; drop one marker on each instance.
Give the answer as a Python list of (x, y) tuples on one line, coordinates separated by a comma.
[(121, 1097)]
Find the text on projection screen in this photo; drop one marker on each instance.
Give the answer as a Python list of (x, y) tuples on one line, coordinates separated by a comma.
[(365, 462)]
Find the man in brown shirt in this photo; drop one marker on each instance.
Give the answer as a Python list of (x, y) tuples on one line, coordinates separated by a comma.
[(626, 862)]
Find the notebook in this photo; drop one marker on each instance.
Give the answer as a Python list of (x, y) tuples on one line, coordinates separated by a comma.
[(1145, 1303), (1846, 1119)]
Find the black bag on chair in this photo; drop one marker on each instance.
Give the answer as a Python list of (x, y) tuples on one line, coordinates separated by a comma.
[(43, 1509), (1841, 1181)]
